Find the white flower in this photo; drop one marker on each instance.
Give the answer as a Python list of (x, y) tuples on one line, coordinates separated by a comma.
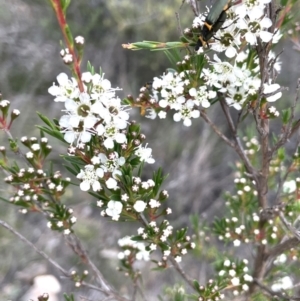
[(186, 113), (162, 115), (114, 208), (282, 284), (235, 281), (86, 77), (289, 186), (202, 96), (178, 259), (251, 7), (236, 97), (255, 28), (151, 113), (111, 183), (90, 177), (248, 278), (236, 242), (154, 203), (112, 163), (232, 273), (270, 88), (144, 153), (67, 89), (110, 133), (227, 39), (139, 206), (280, 259)]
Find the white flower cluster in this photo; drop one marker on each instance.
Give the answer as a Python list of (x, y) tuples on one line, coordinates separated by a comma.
[(240, 281), (174, 90), (96, 111), (130, 246), (246, 23)]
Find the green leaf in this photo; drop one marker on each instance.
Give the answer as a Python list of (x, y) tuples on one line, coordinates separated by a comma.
[(180, 234), (196, 285), (141, 169), (54, 133), (135, 162), (69, 298), (137, 238)]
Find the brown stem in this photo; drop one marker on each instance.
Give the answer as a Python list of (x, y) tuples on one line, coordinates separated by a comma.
[(70, 44), (238, 145)]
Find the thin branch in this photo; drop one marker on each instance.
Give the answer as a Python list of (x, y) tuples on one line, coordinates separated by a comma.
[(179, 28), (282, 247), (216, 129), (289, 226), (181, 272), (43, 254), (77, 247), (238, 145)]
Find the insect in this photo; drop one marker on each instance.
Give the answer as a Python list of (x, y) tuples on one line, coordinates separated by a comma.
[(213, 22)]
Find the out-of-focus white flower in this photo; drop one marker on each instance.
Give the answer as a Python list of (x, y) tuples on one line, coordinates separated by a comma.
[(282, 284), (139, 206), (114, 208), (270, 88), (289, 186)]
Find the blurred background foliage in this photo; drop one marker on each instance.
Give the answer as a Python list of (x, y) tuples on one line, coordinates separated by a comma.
[(198, 163)]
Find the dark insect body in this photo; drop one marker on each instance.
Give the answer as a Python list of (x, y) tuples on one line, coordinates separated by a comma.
[(213, 22)]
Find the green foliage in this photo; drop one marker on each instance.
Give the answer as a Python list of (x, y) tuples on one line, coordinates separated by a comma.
[(69, 297)]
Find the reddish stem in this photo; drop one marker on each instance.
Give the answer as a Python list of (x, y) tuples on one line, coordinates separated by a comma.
[(63, 25)]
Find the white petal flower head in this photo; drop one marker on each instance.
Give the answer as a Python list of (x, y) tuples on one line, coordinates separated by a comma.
[(86, 77), (268, 89), (143, 254), (227, 40), (202, 96), (236, 97), (289, 186), (100, 84), (139, 206), (256, 28), (112, 163), (80, 111), (111, 183), (67, 89), (90, 178), (72, 134), (282, 284), (186, 113), (255, 7), (151, 113), (110, 134), (114, 209), (144, 153)]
